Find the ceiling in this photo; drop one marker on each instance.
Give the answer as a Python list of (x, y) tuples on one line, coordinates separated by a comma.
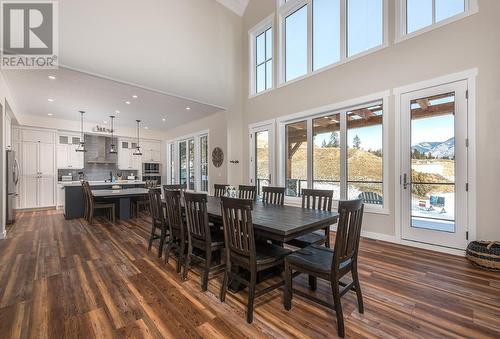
[(237, 6), (72, 91)]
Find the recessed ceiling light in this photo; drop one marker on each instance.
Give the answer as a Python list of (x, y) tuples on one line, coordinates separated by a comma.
[(51, 77), (50, 100), (134, 96), (127, 102), (163, 119), (50, 114), (188, 108), (117, 112)]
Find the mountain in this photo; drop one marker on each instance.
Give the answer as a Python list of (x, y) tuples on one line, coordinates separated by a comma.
[(445, 149)]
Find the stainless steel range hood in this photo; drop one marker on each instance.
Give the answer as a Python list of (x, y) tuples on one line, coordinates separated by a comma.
[(98, 150)]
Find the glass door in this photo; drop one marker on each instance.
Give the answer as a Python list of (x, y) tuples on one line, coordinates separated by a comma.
[(261, 156), (434, 165)]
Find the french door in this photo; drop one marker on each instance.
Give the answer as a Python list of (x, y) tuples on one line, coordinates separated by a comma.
[(187, 164), (262, 155), (434, 165)]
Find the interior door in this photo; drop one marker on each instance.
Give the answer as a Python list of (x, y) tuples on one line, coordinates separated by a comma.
[(262, 156), (434, 165)]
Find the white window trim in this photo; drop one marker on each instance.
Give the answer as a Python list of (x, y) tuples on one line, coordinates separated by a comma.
[(340, 107), (257, 127), (197, 156), (255, 31), (471, 7), (285, 9)]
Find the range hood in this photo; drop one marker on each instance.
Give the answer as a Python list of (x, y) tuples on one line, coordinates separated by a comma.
[(98, 150)]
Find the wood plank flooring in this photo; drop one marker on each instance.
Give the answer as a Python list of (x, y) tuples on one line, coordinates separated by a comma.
[(68, 279)]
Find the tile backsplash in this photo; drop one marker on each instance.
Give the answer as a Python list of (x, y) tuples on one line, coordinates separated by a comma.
[(96, 172)]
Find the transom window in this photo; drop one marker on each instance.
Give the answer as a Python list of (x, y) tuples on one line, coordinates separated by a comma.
[(261, 56), (422, 15), (315, 34), (339, 150)]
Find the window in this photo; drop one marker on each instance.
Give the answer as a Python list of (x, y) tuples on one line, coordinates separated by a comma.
[(204, 162), (191, 162), (345, 153), (315, 34), (326, 33), (296, 44), (364, 25), (422, 15), (261, 58), (296, 158)]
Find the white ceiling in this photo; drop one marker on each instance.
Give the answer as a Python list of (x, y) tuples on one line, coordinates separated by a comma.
[(237, 6), (73, 91)]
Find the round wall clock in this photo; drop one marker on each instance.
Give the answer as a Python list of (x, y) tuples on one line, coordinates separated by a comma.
[(217, 157)]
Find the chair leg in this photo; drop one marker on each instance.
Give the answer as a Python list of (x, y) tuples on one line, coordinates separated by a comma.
[(187, 263), (223, 287), (313, 283), (180, 256), (151, 237), (206, 270), (251, 296), (338, 308), (162, 241), (167, 249), (91, 216), (359, 296), (288, 290), (327, 235)]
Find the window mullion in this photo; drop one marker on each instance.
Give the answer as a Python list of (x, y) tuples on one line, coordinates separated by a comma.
[(433, 12), (343, 155), (310, 153), (343, 30), (309, 36)]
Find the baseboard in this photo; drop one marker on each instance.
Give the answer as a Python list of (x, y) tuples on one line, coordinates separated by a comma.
[(379, 236), (36, 209), (3, 234)]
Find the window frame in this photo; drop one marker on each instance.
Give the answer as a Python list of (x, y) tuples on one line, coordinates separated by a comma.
[(284, 9), (197, 159), (253, 33), (342, 108), (471, 7)]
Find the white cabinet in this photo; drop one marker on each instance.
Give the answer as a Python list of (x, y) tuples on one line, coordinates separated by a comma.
[(126, 158), (8, 132), (67, 156), (60, 196), (151, 151), (37, 181), (35, 135)]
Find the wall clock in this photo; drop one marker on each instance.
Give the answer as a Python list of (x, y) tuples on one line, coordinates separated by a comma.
[(217, 157)]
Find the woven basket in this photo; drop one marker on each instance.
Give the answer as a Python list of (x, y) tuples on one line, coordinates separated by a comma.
[(485, 254)]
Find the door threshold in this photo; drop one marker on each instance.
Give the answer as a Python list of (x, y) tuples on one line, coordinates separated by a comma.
[(431, 247)]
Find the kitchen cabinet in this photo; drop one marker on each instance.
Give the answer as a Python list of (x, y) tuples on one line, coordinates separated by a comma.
[(67, 156), (126, 158), (60, 196), (8, 132)]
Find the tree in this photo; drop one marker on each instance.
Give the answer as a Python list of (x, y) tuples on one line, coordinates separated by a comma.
[(356, 141), (324, 144), (334, 140)]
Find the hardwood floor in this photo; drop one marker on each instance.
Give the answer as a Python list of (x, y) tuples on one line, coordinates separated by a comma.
[(63, 278)]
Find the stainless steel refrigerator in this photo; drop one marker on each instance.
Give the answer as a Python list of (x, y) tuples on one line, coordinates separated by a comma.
[(12, 187)]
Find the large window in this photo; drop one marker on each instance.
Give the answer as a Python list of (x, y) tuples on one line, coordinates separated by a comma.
[(189, 165), (346, 154), (264, 60), (315, 34), (421, 15)]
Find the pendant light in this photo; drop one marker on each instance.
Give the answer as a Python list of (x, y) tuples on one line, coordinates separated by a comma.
[(113, 150), (81, 147), (138, 147)]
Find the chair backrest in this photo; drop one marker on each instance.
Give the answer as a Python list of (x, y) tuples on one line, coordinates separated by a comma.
[(238, 228), (175, 187), (247, 192), (174, 212), (273, 195), (156, 206), (371, 198), (317, 199), (220, 190), (87, 192), (348, 232), (197, 216)]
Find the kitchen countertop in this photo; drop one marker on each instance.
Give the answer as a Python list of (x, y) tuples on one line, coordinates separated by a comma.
[(102, 183)]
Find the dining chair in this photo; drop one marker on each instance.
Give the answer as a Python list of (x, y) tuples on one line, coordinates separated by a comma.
[(331, 265), (220, 190), (247, 192), (273, 195), (91, 205), (201, 237), (139, 203), (158, 220), (177, 228), (317, 200), (243, 251)]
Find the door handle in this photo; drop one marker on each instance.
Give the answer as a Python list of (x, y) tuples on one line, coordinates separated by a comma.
[(405, 181)]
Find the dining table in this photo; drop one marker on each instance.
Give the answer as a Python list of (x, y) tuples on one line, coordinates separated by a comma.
[(123, 197)]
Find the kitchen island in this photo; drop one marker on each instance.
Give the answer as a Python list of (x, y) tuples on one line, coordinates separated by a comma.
[(74, 199)]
